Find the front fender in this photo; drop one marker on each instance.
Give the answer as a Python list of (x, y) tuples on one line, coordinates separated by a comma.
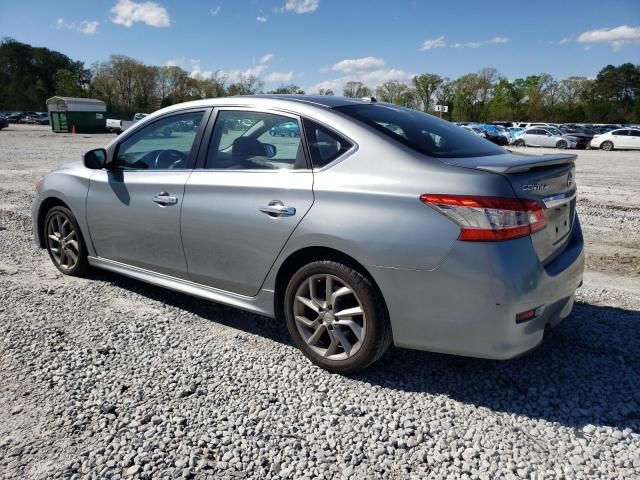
[(69, 187)]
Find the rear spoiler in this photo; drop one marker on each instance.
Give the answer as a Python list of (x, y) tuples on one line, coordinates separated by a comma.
[(514, 163)]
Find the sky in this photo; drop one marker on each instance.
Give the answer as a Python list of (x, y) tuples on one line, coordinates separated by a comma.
[(325, 43)]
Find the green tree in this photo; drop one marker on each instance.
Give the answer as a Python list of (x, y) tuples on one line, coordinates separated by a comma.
[(288, 90), (356, 90), (425, 86)]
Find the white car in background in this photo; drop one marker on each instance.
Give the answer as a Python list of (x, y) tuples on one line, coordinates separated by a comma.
[(621, 139)]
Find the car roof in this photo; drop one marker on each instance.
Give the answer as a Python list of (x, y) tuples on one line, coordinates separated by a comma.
[(329, 101)]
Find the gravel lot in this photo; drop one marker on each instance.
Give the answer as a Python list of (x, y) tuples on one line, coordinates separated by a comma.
[(107, 377)]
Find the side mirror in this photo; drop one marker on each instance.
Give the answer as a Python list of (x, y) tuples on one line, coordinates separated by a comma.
[(270, 150), (95, 159)]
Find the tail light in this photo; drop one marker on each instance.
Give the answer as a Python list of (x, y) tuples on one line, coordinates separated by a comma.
[(489, 219)]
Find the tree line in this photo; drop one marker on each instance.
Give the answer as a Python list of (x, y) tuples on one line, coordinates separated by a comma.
[(29, 75)]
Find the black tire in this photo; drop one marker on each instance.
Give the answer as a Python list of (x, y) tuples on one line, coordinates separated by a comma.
[(81, 265), (607, 146), (519, 143), (376, 335), (561, 144)]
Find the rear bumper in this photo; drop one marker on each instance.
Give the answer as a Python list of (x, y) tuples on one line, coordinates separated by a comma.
[(468, 305)]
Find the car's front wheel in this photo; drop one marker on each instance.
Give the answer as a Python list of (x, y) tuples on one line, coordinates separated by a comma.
[(336, 316), (561, 145), (607, 146), (64, 242)]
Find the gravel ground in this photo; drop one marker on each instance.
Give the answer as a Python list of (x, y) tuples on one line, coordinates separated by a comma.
[(107, 377)]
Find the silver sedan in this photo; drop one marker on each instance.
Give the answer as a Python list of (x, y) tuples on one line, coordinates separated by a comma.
[(546, 137), (375, 225)]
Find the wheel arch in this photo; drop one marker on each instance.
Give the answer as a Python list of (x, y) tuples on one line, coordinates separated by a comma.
[(46, 205), (307, 255)]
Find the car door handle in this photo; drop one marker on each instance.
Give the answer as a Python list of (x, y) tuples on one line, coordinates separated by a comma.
[(276, 208), (165, 199)]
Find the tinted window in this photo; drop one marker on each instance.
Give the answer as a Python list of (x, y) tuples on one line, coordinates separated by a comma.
[(634, 133), (162, 145), (244, 140), (421, 132), (535, 131), (325, 146), (620, 132)]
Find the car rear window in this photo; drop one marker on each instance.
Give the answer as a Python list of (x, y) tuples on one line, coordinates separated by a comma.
[(423, 133)]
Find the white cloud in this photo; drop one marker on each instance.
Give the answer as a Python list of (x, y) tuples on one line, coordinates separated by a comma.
[(433, 43), (127, 12), (279, 77), (357, 64), (371, 78), (89, 28), (261, 19), (215, 11), (617, 37), (265, 58), (564, 40), (86, 27), (466, 45), (300, 6), (441, 43)]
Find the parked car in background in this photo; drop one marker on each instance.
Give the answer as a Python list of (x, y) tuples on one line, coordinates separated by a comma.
[(494, 134), (116, 125), (514, 134), (289, 129), (357, 237), (620, 139), (539, 124), (4, 123), (17, 117), (582, 135), (475, 130), (40, 118), (546, 137)]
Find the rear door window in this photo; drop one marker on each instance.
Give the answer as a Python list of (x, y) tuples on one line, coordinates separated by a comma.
[(249, 140)]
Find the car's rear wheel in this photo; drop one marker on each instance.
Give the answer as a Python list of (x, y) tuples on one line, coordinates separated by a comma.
[(519, 142), (64, 242), (336, 317), (561, 144), (608, 146)]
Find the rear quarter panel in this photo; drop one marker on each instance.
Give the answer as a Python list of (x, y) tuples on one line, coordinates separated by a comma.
[(368, 207)]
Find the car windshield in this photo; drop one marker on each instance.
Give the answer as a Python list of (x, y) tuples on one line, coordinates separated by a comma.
[(423, 133)]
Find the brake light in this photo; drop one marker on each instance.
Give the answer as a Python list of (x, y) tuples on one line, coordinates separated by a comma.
[(489, 219)]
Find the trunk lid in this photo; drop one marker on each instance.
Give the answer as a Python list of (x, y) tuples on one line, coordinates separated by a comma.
[(549, 179)]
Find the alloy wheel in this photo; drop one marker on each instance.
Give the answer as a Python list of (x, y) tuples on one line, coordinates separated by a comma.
[(63, 241), (329, 317)]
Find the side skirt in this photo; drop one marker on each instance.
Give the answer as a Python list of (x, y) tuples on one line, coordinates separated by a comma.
[(261, 304)]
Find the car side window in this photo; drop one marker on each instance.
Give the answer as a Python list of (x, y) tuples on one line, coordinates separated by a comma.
[(619, 133), (166, 144), (325, 145), (634, 133), (245, 140)]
